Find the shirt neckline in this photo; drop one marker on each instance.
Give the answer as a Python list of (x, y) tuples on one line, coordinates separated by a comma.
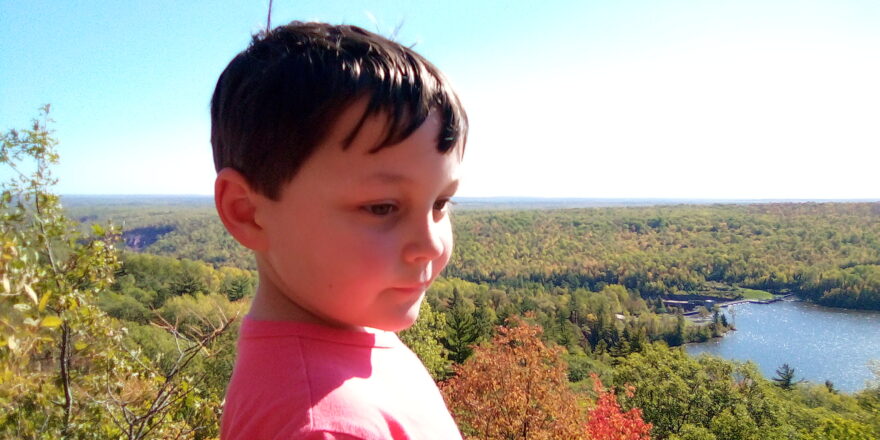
[(369, 337)]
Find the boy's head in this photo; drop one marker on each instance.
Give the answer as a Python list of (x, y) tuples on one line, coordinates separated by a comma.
[(278, 100), (337, 151)]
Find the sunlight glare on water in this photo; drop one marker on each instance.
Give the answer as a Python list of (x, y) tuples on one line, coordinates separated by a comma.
[(820, 343)]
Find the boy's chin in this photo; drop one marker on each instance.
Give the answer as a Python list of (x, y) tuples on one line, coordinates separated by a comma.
[(401, 324), (404, 321)]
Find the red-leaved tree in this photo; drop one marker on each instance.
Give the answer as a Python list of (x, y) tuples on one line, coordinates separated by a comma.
[(608, 422)]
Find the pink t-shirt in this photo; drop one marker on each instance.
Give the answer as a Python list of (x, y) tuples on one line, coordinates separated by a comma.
[(302, 381)]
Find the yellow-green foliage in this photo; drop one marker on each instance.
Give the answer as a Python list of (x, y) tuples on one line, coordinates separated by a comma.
[(424, 337), (67, 370), (708, 397)]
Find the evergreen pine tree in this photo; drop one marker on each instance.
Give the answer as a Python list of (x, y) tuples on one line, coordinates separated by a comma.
[(785, 377), (461, 329)]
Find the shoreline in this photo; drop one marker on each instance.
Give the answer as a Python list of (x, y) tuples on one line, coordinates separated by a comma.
[(746, 301)]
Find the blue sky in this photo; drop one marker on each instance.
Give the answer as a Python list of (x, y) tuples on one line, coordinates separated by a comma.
[(626, 98)]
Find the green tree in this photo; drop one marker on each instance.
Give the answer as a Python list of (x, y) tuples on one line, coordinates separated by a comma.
[(785, 377), (682, 396), (839, 428), (237, 286), (829, 385), (423, 338), (679, 336), (462, 330)]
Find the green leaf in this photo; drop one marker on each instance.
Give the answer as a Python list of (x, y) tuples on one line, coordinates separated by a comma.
[(51, 322)]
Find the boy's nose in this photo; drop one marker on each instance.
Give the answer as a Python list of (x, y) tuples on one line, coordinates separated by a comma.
[(426, 241)]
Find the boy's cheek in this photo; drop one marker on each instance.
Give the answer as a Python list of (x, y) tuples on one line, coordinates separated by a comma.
[(446, 256)]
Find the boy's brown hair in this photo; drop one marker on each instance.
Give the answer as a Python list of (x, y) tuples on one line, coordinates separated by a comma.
[(277, 100)]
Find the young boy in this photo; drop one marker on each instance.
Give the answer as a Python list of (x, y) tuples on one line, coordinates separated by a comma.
[(337, 152)]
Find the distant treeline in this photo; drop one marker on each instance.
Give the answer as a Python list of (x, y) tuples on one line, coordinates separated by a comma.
[(828, 253)]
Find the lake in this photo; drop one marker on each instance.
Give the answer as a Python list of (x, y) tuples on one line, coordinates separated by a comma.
[(818, 342)]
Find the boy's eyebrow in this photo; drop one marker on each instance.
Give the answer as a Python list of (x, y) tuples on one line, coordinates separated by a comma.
[(388, 178)]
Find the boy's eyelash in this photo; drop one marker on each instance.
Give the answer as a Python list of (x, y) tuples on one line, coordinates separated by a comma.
[(383, 209), (447, 203), (372, 209)]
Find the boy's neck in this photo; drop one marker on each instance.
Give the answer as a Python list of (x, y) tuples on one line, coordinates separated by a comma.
[(269, 304)]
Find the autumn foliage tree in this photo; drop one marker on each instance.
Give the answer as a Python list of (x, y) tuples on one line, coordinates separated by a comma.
[(608, 422), (515, 387), (67, 369), (48, 272)]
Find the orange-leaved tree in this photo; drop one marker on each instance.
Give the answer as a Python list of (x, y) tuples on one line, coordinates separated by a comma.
[(515, 387)]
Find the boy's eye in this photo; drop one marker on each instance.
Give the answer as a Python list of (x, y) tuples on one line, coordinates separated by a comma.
[(380, 209), (439, 205)]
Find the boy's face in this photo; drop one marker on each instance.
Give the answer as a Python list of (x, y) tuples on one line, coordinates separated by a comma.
[(357, 238)]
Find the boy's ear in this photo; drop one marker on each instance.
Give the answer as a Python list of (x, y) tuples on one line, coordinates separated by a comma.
[(237, 203)]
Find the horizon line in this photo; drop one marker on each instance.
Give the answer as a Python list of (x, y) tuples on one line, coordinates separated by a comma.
[(510, 197)]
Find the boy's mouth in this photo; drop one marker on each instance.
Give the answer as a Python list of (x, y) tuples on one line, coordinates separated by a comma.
[(412, 289)]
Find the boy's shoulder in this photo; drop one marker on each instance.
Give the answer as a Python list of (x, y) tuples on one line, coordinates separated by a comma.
[(300, 378)]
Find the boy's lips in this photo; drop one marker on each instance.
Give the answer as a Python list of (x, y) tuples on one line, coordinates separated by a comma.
[(412, 288)]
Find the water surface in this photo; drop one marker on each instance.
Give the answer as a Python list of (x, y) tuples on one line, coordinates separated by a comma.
[(820, 343)]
